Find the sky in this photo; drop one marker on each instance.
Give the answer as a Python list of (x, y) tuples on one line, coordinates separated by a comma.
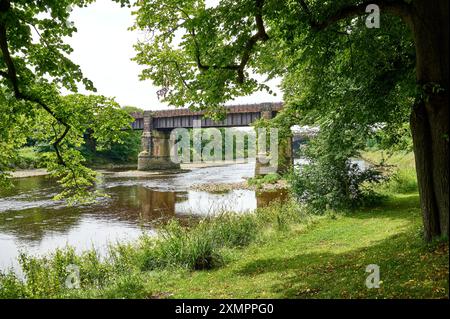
[(103, 47)]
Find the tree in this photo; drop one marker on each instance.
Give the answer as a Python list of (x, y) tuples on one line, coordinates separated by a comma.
[(351, 82), (34, 68), (133, 109), (204, 56), (125, 151)]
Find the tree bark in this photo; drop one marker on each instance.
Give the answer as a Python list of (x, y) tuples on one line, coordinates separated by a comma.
[(430, 115)]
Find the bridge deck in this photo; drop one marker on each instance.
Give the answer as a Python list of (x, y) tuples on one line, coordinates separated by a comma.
[(237, 115)]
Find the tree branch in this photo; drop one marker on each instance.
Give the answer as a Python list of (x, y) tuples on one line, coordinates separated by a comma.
[(394, 7), (177, 66), (260, 35), (203, 67), (11, 75)]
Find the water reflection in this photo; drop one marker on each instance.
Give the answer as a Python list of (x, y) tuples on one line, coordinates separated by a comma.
[(30, 225), (31, 221)]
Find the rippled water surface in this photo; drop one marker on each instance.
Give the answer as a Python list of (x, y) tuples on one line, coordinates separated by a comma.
[(31, 221)]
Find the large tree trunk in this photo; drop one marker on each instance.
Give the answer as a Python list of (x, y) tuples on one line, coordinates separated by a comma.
[(430, 115)]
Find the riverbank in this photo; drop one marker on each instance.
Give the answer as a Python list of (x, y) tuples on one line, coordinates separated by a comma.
[(125, 170), (279, 252), (24, 173)]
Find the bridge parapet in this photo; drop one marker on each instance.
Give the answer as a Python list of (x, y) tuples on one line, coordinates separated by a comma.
[(230, 109)]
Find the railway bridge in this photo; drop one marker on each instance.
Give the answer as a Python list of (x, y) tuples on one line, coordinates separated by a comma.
[(157, 126)]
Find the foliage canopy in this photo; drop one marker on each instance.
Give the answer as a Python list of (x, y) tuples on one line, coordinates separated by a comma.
[(35, 68)]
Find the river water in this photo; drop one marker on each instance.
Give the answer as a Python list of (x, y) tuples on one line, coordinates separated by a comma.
[(30, 221)]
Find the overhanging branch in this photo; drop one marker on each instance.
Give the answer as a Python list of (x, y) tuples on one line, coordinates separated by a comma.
[(11, 76), (394, 7), (260, 35)]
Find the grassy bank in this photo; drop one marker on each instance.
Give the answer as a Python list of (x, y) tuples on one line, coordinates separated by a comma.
[(328, 260), (400, 167), (279, 252), (206, 245)]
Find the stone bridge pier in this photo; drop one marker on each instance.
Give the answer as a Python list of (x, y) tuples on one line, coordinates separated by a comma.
[(263, 164), (155, 153)]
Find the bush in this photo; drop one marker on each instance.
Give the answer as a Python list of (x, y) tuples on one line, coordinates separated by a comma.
[(334, 185), (47, 276), (10, 286), (119, 153), (27, 158)]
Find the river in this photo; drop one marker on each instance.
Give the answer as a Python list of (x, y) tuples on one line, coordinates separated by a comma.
[(30, 221)]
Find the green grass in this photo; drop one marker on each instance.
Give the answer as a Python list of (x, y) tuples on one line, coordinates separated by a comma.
[(202, 246), (328, 260), (279, 252), (399, 167), (398, 159), (259, 181)]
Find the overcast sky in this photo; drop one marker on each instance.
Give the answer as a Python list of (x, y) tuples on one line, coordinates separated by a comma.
[(103, 47)]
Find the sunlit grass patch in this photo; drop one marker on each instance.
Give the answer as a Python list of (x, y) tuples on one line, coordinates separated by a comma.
[(400, 169)]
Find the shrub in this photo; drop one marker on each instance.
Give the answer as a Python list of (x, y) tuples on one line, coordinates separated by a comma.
[(324, 185), (10, 286), (121, 153), (27, 158), (43, 276), (46, 276)]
